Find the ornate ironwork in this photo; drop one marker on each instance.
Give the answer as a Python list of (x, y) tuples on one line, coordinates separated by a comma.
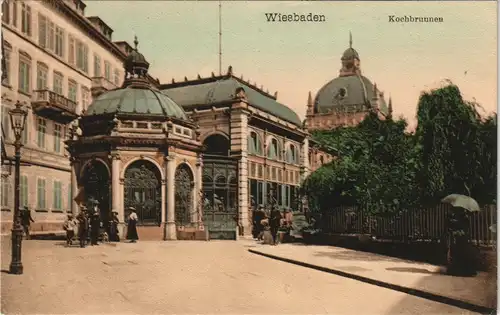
[(183, 195), (143, 191), (220, 197)]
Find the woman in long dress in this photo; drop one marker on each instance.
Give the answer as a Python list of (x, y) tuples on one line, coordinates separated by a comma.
[(132, 226)]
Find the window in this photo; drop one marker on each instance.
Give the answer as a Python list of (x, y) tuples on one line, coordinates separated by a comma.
[(70, 197), (6, 56), (59, 44), (6, 121), (25, 19), (58, 83), (71, 50), (42, 129), (14, 13), (6, 193), (42, 30), (57, 137), (107, 70), (273, 152), (292, 154), (57, 198), (24, 75), (254, 144), (6, 11), (24, 190), (116, 77), (72, 90), (24, 135), (41, 76), (40, 194), (85, 97), (82, 56), (97, 66)]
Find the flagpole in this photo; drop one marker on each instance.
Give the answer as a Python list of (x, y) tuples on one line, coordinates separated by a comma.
[(220, 37)]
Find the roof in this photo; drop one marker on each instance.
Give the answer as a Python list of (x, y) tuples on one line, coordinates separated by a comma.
[(135, 101), (219, 89), (359, 90)]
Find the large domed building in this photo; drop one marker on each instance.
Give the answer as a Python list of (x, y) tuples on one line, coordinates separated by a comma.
[(345, 100)]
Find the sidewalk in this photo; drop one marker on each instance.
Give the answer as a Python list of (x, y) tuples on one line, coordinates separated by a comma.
[(411, 277)]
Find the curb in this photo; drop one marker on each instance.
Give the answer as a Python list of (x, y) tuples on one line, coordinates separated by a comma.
[(423, 294)]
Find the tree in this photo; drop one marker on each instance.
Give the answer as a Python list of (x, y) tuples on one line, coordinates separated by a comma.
[(458, 147)]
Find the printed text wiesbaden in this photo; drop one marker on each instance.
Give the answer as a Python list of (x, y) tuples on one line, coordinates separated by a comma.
[(295, 17)]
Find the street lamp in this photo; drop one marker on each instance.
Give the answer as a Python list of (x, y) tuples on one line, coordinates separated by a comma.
[(18, 122)]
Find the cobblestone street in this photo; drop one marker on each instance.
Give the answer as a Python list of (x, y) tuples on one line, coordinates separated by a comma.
[(186, 278)]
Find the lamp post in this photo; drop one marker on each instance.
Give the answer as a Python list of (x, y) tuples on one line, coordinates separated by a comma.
[(18, 122)]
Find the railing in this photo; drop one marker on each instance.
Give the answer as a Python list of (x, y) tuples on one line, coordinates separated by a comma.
[(101, 82), (428, 224), (54, 99)]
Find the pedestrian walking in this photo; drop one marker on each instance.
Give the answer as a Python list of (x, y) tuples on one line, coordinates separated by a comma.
[(132, 226), (26, 220), (274, 223), (83, 224), (95, 225), (114, 235), (69, 226)]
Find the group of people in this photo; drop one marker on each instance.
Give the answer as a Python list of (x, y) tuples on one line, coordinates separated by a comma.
[(88, 227), (268, 223)]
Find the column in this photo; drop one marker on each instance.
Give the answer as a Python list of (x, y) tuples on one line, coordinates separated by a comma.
[(74, 188), (170, 228), (116, 200), (304, 160), (198, 187), (239, 143), (163, 201)]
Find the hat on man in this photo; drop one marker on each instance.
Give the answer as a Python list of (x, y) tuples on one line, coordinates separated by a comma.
[(115, 212), (131, 209)]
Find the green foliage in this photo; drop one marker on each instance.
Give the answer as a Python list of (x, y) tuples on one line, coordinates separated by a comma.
[(377, 166), (382, 168), (459, 147)]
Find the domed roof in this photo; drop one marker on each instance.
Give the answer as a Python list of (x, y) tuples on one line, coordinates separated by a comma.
[(135, 101), (136, 96), (344, 90), (350, 53)]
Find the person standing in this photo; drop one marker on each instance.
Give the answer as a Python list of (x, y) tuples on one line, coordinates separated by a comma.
[(258, 228), (69, 227), (83, 224), (274, 223), (95, 225), (132, 226), (26, 220), (114, 235)]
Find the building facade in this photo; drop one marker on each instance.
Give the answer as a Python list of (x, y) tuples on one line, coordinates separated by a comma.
[(56, 61)]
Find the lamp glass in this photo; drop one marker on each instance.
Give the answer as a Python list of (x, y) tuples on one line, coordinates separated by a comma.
[(18, 120)]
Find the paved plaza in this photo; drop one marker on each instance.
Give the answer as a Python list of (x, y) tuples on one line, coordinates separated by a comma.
[(186, 277)]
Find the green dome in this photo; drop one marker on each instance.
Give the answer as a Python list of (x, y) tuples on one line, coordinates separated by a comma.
[(135, 101), (345, 91), (350, 53)]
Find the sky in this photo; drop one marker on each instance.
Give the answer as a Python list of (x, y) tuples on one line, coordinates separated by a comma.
[(181, 39)]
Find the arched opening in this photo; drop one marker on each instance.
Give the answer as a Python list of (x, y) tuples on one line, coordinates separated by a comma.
[(217, 144), (96, 184), (143, 191), (184, 186), (220, 188)]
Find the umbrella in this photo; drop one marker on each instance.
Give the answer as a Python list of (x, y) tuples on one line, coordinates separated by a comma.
[(462, 201)]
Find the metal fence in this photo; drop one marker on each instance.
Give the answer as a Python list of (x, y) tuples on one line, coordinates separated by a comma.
[(427, 224)]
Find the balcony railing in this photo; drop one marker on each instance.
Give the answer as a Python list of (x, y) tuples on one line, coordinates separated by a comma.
[(102, 83), (51, 105)]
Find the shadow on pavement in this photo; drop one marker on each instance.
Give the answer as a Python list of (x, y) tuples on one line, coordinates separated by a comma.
[(484, 290), (414, 270), (411, 291)]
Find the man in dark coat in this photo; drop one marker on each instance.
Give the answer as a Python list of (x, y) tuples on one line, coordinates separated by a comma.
[(95, 225), (26, 220), (274, 223), (258, 228), (83, 224)]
